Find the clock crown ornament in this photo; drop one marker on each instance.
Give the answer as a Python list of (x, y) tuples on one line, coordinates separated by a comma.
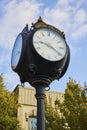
[(39, 23), (41, 54)]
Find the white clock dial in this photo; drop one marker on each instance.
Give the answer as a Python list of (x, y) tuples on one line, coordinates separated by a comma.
[(49, 44), (16, 53)]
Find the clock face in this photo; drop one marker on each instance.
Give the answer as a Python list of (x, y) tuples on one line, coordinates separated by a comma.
[(49, 44), (16, 53)]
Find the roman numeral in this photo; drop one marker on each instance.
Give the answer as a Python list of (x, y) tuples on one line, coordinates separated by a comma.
[(42, 33), (37, 36), (59, 54), (48, 33)]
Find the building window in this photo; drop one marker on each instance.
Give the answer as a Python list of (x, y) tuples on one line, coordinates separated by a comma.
[(33, 123)]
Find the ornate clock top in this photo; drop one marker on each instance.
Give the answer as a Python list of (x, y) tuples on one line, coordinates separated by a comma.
[(40, 19), (39, 23)]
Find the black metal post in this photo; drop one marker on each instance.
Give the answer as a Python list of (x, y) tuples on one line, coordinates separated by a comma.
[(40, 107)]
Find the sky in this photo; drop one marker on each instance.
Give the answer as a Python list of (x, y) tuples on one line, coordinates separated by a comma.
[(69, 16)]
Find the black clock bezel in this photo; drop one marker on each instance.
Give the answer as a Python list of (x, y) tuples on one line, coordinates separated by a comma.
[(66, 62)]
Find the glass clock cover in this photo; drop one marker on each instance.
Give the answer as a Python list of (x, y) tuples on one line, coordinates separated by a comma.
[(16, 53), (49, 44)]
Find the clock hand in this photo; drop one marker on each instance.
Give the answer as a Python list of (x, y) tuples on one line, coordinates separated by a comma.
[(55, 50), (51, 47), (42, 42)]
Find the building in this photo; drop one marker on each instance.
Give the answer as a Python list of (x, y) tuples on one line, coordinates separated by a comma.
[(26, 114)]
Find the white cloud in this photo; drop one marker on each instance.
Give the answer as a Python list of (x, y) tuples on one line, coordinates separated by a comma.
[(80, 32), (81, 16), (68, 15), (17, 14)]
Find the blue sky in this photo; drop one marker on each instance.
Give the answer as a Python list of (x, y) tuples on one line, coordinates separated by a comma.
[(69, 16)]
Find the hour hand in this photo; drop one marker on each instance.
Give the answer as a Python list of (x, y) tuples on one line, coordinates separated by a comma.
[(42, 42), (50, 46), (45, 43)]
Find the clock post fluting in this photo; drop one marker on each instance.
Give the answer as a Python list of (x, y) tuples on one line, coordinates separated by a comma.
[(40, 55)]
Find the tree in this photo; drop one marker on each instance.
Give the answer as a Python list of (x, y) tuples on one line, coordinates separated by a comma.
[(74, 107), (8, 108), (71, 114), (53, 118)]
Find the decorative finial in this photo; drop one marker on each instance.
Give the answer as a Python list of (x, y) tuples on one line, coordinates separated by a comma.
[(39, 23), (40, 19), (26, 25)]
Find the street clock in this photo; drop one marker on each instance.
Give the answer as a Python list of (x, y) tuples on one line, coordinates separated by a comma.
[(41, 54)]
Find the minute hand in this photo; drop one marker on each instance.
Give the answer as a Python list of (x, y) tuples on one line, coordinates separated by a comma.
[(51, 48)]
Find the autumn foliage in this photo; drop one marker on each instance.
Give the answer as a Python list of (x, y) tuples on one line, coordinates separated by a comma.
[(71, 114), (8, 108)]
